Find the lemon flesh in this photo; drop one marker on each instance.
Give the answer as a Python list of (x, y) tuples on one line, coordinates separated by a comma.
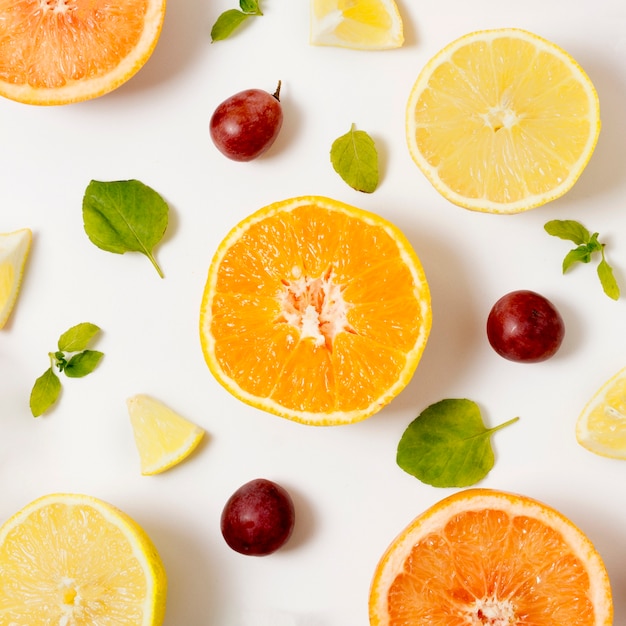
[(14, 249)]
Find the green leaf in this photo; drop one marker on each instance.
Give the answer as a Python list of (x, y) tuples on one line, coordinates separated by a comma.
[(607, 280), (582, 254), (227, 23), (448, 445), (83, 363), (78, 337), (251, 7), (568, 229), (45, 392), (125, 216), (355, 159)]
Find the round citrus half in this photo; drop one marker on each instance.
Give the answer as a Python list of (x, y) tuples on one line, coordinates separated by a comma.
[(74, 559), (315, 310), (483, 556), (502, 121), (62, 51)]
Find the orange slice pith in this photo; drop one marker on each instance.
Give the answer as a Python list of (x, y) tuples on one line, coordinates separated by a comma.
[(315, 310), (62, 51), (483, 556)]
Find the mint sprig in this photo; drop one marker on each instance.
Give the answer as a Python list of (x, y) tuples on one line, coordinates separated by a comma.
[(231, 19), (587, 244), (73, 357)]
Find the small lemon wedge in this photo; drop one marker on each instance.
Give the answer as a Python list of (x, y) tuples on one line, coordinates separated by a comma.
[(163, 437), (601, 427), (74, 559), (14, 248), (356, 24)]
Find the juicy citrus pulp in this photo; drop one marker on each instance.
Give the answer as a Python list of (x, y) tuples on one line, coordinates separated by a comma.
[(358, 24), (601, 427), (502, 121), (74, 559), (483, 556), (61, 51), (163, 437), (14, 248), (315, 310)]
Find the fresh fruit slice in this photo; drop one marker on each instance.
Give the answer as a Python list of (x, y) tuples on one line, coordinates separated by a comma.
[(502, 121), (483, 556), (601, 427), (163, 437), (14, 248), (74, 559), (62, 51), (357, 24), (315, 310)]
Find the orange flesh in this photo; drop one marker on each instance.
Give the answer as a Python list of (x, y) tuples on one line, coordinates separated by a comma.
[(316, 310), (50, 43), (491, 568)]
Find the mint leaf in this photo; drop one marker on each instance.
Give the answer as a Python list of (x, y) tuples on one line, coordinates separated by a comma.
[(82, 363), (78, 337), (125, 216), (355, 159), (228, 22), (568, 229), (607, 280), (250, 6), (448, 445), (45, 392), (582, 254)]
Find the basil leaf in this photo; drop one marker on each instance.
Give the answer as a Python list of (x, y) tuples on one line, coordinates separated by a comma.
[(250, 6), (125, 216), (227, 23), (607, 280), (82, 363), (355, 159), (78, 337), (568, 229), (448, 445), (45, 392)]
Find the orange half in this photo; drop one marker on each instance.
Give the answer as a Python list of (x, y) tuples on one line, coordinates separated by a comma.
[(483, 556), (315, 310)]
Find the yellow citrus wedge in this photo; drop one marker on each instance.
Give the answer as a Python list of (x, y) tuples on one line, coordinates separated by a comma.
[(62, 51), (315, 310), (356, 24), (14, 249), (71, 559), (502, 121), (483, 556), (163, 437), (601, 427)]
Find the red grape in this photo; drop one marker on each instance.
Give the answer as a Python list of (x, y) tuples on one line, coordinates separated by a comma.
[(258, 518), (524, 326), (245, 125)]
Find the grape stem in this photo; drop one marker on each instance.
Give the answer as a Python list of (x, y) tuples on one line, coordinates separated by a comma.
[(276, 94)]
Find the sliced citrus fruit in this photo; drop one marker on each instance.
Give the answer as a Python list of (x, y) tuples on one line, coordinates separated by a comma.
[(483, 556), (163, 437), (62, 51), (315, 310), (357, 24), (14, 248), (601, 427), (74, 559), (502, 121)]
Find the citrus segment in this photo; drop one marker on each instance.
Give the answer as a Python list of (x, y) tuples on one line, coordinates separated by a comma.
[(63, 51), (601, 427), (502, 121), (315, 310), (357, 24), (483, 556), (74, 559), (14, 249), (163, 437)]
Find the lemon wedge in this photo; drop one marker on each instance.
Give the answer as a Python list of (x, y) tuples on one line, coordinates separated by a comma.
[(356, 24), (163, 437), (14, 248), (601, 427), (74, 559)]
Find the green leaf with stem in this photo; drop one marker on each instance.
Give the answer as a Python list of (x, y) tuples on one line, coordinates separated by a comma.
[(45, 392), (355, 158), (78, 337), (229, 21), (82, 363)]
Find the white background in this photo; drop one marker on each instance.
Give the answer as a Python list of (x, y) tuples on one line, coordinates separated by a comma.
[(350, 496)]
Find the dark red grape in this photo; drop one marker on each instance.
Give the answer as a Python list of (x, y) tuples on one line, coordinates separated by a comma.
[(524, 326), (245, 125), (258, 518)]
